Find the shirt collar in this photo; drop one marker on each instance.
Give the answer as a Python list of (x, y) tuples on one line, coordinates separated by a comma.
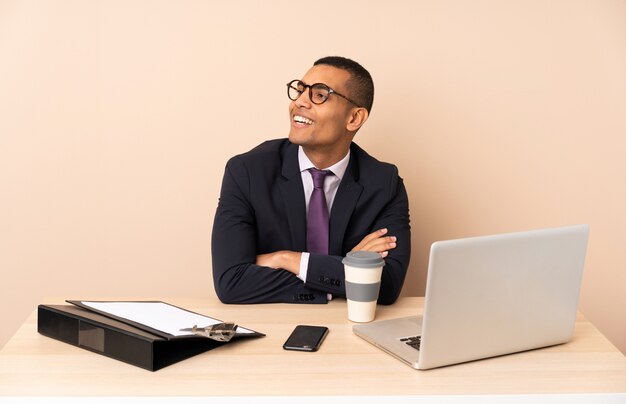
[(338, 169)]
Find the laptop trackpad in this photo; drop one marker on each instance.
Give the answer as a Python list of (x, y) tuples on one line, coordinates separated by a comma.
[(417, 320), (390, 330)]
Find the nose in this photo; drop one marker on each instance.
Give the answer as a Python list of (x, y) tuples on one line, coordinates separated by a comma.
[(303, 101)]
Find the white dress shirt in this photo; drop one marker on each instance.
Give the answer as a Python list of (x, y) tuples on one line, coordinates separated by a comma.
[(331, 184)]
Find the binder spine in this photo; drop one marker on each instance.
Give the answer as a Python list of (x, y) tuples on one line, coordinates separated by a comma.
[(90, 335)]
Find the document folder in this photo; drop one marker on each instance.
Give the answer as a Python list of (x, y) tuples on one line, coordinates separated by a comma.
[(119, 340)]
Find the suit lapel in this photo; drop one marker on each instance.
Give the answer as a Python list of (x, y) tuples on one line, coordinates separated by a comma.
[(345, 201), (292, 193)]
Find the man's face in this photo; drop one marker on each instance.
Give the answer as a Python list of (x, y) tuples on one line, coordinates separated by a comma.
[(322, 126)]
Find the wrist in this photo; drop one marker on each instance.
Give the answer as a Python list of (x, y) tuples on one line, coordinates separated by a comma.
[(290, 261)]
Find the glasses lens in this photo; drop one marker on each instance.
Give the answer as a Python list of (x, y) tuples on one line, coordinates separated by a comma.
[(294, 89), (319, 93)]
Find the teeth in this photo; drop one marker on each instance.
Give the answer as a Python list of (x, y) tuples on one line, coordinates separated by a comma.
[(302, 119)]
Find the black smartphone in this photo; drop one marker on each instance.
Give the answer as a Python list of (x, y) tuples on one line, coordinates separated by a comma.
[(306, 338)]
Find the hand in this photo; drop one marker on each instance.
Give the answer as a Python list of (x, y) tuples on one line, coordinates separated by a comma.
[(287, 260), (377, 242)]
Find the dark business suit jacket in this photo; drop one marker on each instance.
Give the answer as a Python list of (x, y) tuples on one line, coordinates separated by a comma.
[(262, 210)]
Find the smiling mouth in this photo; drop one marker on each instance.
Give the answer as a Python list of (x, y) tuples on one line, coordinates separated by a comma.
[(302, 120)]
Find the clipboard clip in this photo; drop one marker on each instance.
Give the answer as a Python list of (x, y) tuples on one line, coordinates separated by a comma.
[(222, 332)]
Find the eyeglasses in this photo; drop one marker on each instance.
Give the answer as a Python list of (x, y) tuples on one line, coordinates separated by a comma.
[(318, 92)]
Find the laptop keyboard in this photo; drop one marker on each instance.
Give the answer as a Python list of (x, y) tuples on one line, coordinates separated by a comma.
[(413, 342)]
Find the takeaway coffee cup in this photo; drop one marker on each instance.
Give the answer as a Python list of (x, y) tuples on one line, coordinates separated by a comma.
[(363, 270)]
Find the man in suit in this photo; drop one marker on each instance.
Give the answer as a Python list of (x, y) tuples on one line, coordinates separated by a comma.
[(290, 209)]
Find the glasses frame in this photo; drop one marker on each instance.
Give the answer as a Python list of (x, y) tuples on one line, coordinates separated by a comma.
[(310, 86)]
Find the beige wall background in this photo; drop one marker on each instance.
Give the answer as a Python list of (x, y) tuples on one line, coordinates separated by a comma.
[(117, 117)]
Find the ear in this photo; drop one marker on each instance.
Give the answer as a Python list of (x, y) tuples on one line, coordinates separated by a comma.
[(357, 118)]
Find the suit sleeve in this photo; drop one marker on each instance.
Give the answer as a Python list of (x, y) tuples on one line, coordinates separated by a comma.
[(236, 277), (326, 273)]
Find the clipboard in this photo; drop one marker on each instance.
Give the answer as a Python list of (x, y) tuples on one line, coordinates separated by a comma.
[(123, 339), (129, 312)]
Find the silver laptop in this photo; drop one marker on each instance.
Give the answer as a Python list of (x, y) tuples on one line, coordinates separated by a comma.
[(490, 296)]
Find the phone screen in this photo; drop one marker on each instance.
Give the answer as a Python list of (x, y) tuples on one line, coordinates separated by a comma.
[(306, 338)]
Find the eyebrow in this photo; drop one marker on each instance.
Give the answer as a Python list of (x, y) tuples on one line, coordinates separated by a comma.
[(306, 84)]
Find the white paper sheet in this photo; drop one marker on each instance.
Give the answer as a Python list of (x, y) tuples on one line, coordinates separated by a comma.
[(158, 315)]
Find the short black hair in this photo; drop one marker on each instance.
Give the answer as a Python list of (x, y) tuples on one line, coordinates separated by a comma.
[(360, 85)]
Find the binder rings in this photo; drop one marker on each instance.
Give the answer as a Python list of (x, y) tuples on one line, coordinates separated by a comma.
[(112, 337)]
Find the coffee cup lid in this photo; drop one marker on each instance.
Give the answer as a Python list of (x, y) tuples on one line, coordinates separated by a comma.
[(363, 259)]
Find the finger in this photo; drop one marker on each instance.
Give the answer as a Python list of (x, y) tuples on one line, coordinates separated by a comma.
[(380, 244), (372, 236), (376, 244)]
